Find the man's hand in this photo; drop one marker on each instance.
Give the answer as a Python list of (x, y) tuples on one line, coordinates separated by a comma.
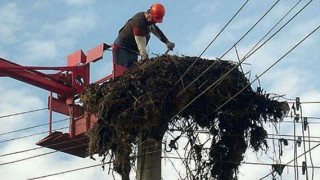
[(144, 56), (170, 45)]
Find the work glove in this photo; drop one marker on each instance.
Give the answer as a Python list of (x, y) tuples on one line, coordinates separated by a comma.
[(144, 56), (170, 45)]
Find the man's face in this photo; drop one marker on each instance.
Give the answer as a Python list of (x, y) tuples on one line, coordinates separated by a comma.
[(150, 19)]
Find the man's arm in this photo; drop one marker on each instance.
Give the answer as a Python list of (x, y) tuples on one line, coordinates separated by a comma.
[(142, 46), (141, 40), (159, 34)]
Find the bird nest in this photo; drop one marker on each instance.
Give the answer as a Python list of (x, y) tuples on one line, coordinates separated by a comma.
[(150, 99)]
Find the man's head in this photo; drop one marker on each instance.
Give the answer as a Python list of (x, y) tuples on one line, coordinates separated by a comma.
[(156, 13)]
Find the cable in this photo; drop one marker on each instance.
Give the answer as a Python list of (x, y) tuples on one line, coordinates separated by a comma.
[(47, 146), (273, 27), (63, 172), (296, 170), (211, 42), (218, 59), (39, 155), (276, 62), (87, 167), (31, 127), (20, 113), (309, 117), (246, 57), (310, 153), (292, 160), (304, 144), (30, 135), (298, 122), (199, 131), (279, 136), (244, 162)]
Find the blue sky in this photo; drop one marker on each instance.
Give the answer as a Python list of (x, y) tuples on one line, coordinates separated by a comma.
[(43, 33)]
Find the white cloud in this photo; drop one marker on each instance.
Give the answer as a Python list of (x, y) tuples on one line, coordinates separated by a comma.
[(292, 81), (79, 2), (70, 26), (44, 165), (15, 101), (11, 22), (38, 51), (207, 8), (205, 36)]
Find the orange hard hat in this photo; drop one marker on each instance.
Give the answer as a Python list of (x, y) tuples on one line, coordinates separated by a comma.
[(157, 12)]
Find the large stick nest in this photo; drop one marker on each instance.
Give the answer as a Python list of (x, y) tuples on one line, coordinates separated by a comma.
[(145, 100)]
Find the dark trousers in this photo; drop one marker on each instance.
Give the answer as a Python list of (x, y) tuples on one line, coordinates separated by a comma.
[(123, 54)]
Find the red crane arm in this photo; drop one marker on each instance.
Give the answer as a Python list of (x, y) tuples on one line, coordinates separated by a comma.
[(33, 77), (68, 82)]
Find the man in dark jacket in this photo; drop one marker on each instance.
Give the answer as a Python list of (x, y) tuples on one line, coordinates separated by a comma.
[(134, 36)]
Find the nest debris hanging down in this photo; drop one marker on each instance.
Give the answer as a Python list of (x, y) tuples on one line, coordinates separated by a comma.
[(144, 100)]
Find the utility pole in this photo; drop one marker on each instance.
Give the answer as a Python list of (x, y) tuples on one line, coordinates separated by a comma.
[(149, 159)]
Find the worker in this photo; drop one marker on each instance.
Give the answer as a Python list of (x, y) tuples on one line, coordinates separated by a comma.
[(133, 37)]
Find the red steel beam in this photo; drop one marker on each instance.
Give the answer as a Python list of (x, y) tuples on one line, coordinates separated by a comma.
[(33, 77)]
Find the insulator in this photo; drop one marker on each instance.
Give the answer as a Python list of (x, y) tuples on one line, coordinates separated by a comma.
[(297, 117), (305, 123), (298, 103), (304, 167), (299, 141)]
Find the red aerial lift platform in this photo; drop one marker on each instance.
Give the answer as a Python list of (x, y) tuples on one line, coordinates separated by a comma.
[(67, 83)]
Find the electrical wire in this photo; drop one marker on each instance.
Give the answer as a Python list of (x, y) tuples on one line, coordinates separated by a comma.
[(304, 144), (273, 28), (311, 161), (211, 42), (39, 155), (296, 170), (72, 170), (199, 131), (30, 135), (229, 162), (32, 127), (276, 62), (292, 160), (20, 113), (279, 136), (245, 57), (218, 59), (47, 146), (244, 162)]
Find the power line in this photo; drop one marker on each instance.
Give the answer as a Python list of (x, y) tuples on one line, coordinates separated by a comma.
[(199, 131), (35, 134), (279, 136), (256, 77), (25, 112), (218, 59), (32, 127), (63, 172), (87, 167), (211, 42), (48, 146), (245, 57), (293, 159), (273, 27), (243, 162), (39, 155), (229, 162), (30, 135)]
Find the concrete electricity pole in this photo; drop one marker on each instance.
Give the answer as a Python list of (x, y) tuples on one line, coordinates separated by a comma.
[(149, 159)]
